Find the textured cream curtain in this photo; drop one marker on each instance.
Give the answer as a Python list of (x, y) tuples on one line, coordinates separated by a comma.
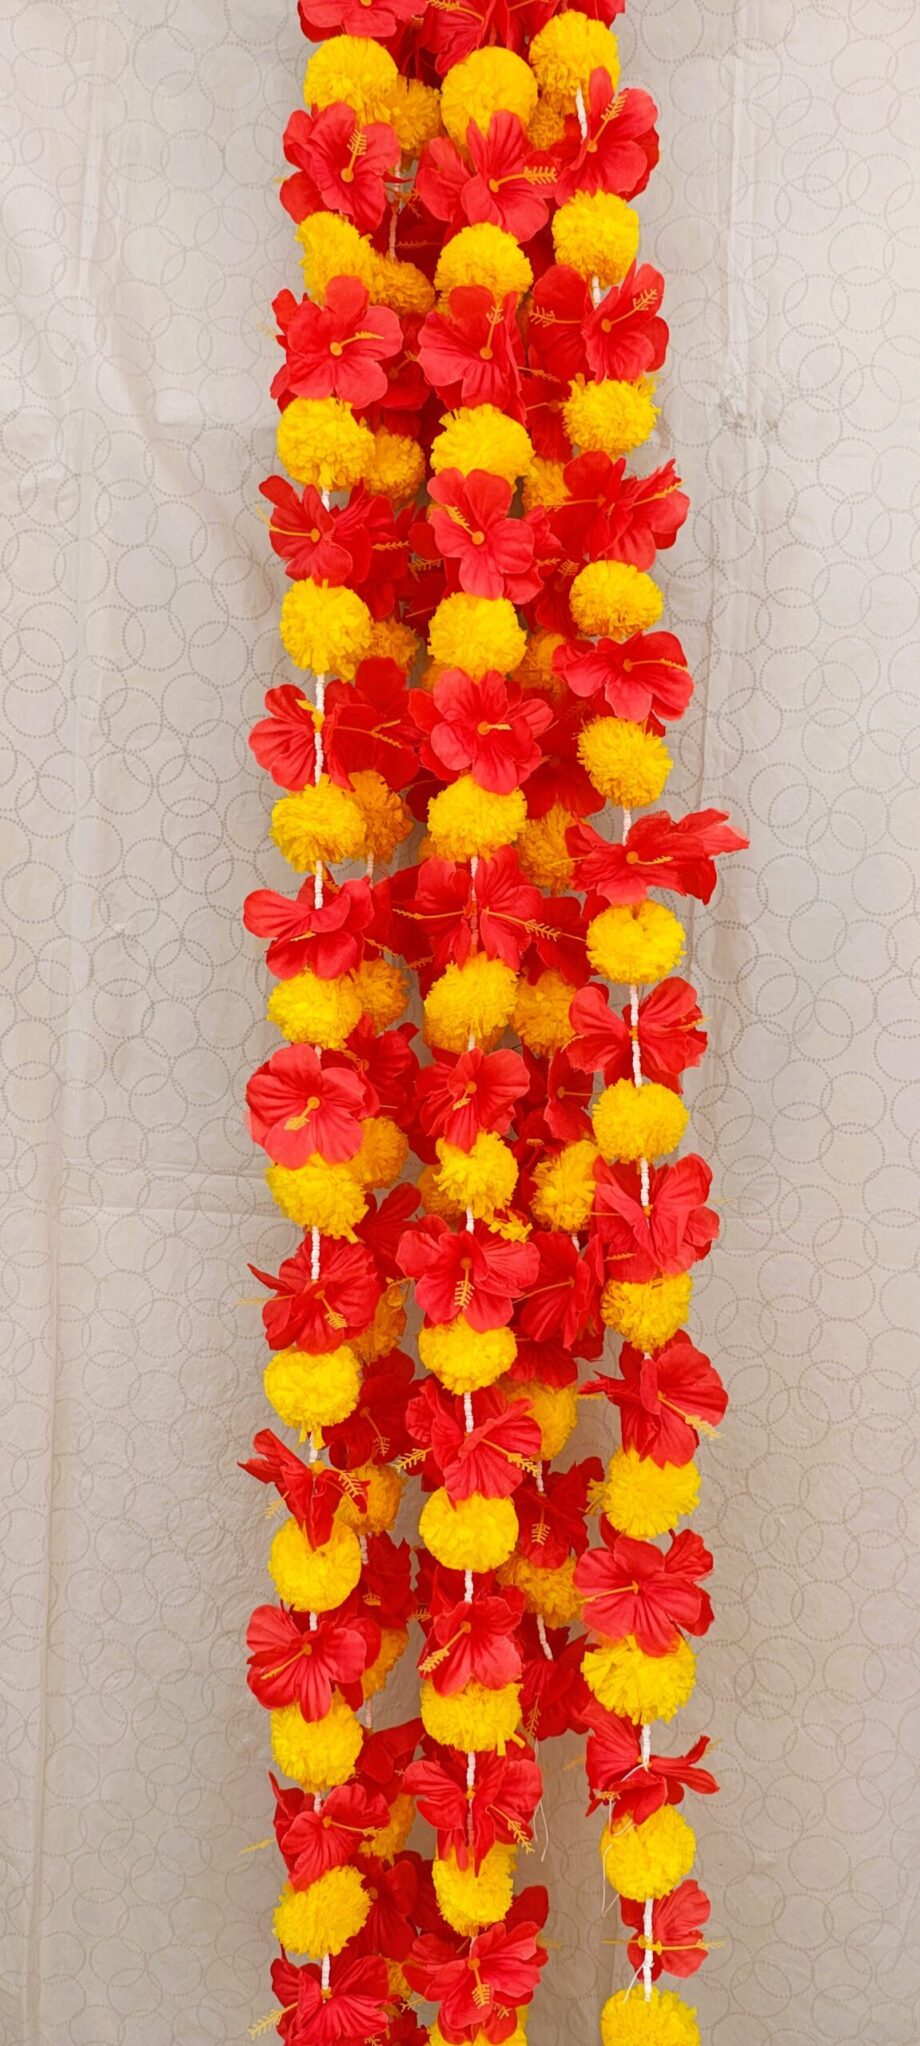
[(144, 244)]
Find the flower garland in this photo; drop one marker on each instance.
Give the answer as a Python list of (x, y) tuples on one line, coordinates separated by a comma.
[(462, 384)]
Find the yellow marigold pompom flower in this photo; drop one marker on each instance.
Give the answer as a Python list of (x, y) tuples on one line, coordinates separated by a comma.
[(638, 1686), (321, 442), (638, 1122), (464, 819), (321, 822), (470, 1898), (324, 1917), (545, 486), (640, 945), (325, 626), (651, 1859), (553, 1407), (485, 83), (648, 1314), (333, 247), (541, 1013), (414, 110), (597, 234), (536, 670), (397, 466), (543, 850), (318, 1195), (551, 1593), (314, 1580), (480, 437), (643, 1498), (391, 640), (469, 1534), (383, 1152), (388, 821), (476, 633), (386, 1329), (626, 763), (613, 598), (382, 991), (547, 127), (313, 1392), (317, 1753), (609, 417), (663, 2019), (474, 1718), (463, 1360), (565, 53), (434, 1201), (487, 255), (473, 1000), (354, 69), (389, 1840), (383, 1488), (564, 1195), (482, 1179), (401, 286), (308, 1010)]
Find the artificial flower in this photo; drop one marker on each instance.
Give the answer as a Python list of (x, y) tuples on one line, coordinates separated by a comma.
[(469, 1821), (470, 523), (300, 1102), (347, 161), (291, 1662), (472, 354), (668, 1232), (473, 1641), (461, 1095), (468, 1272), (666, 1032), (676, 1942), (658, 852), (323, 1312), (666, 1401), (337, 349), (619, 148), (630, 1588)]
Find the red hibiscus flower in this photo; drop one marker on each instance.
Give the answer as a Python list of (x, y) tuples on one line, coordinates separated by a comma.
[(284, 742), (631, 1588), (619, 1777), (623, 336), (666, 1401), (552, 1521), (388, 1063), (567, 1094), (310, 1491), (477, 1090), (291, 1663), (319, 1314), (329, 939), (388, 1928), (337, 349), (553, 1690), (473, 1642), (300, 1103), (606, 512), (512, 183), (639, 678), (348, 163), (472, 355), (375, 1432), (658, 852), (486, 728), (367, 725), (499, 1808), (386, 1584), (492, 1456), (469, 519), (354, 2006), (379, 20), (559, 307), (385, 1757), (491, 1975), (303, 532), (620, 149), (669, 1233), (666, 1033), (440, 181), (316, 1841), (676, 1945), (467, 1271), (563, 1297)]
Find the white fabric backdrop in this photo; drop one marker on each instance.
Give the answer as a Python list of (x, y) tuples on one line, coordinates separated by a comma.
[(140, 150)]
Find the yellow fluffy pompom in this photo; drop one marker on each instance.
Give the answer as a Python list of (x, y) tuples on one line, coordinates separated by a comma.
[(313, 1392), (308, 1010), (487, 82), (323, 1918), (397, 466), (391, 640), (614, 598), (473, 1534), (383, 1489), (536, 670), (638, 1686), (565, 53), (473, 1718), (482, 1179), (387, 819), (487, 255), (333, 247), (470, 1898), (384, 1148), (543, 850), (434, 1201), (651, 1859), (547, 127), (626, 763), (541, 1013), (597, 234), (353, 69), (317, 1753), (647, 1315), (381, 990), (473, 1000), (643, 1498), (401, 286), (639, 946), (415, 112), (389, 1840), (314, 1580), (464, 819), (325, 626), (564, 1196), (610, 417), (321, 822), (318, 1195), (663, 2019), (476, 633), (553, 1407), (638, 1122), (480, 437), (546, 485), (551, 1593), (321, 442), (386, 1329), (463, 1360)]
